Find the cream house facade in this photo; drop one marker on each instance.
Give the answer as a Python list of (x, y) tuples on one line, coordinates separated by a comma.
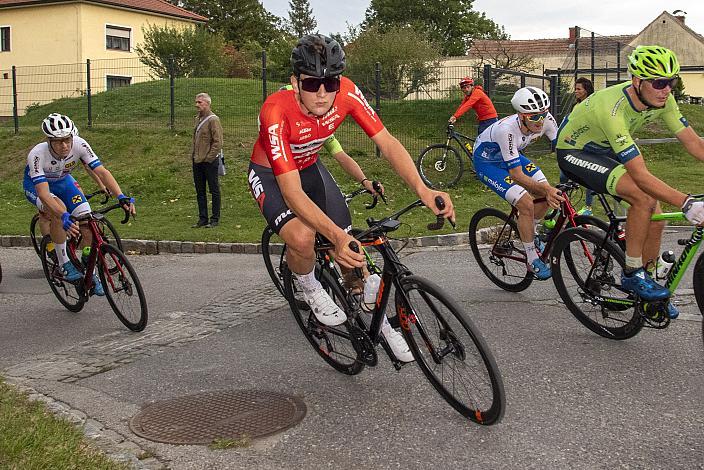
[(49, 43), (667, 30)]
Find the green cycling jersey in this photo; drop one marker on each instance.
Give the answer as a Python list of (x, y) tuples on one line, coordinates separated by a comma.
[(605, 121)]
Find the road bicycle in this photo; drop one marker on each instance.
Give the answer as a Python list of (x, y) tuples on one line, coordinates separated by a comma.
[(591, 287), (445, 343), (108, 231), (119, 279), (440, 165), (497, 246), (274, 248)]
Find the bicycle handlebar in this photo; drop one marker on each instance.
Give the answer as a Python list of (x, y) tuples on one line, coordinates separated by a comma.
[(100, 191), (103, 210), (375, 197)]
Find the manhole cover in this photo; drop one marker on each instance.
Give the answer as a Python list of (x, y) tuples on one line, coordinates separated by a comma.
[(205, 417), (32, 274)]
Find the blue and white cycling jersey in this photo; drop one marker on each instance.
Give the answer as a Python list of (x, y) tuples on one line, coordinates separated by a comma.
[(502, 142), (42, 166)]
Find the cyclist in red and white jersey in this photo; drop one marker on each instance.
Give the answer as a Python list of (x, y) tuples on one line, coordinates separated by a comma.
[(295, 192)]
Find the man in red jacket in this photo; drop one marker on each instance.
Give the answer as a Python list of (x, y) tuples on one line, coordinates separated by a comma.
[(474, 97)]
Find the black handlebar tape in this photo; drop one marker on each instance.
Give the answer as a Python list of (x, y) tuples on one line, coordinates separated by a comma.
[(354, 246)]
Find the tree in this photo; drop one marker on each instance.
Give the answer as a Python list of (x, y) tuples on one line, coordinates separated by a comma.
[(193, 52), (300, 18), (408, 61), (450, 23), (239, 21), (499, 53)]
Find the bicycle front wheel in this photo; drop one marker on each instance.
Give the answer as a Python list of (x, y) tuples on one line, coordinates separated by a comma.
[(440, 166), (109, 234), (450, 351), (122, 288), (332, 343), (586, 270), (498, 249), (68, 293)]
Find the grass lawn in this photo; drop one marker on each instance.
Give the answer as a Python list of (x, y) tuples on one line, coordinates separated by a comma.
[(152, 164), (32, 438)]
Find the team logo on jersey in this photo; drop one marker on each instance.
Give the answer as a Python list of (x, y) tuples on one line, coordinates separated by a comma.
[(275, 142), (70, 165), (530, 167), (77, 199), (621, 139), (508, 180)]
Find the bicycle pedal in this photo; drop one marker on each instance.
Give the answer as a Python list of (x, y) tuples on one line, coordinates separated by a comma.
[(362, 344), (655, 313)]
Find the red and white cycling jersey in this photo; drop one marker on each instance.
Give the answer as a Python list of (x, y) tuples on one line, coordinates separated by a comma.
[(290, 140)]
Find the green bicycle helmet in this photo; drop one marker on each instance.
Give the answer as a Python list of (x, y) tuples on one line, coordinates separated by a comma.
[(648, 62)]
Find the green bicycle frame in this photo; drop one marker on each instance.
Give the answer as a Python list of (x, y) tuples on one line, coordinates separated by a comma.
[(690, 249)]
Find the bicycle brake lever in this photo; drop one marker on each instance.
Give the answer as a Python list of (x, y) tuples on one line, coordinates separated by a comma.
[(377, 187), (354, 246)]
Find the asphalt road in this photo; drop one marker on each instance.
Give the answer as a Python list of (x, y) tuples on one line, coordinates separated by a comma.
[(575, 400)]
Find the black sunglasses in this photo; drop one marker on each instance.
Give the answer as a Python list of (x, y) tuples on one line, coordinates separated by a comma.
[(661, 83), (312, 84)]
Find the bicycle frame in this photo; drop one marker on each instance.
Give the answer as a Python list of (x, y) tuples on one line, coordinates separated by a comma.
[(465, 145)]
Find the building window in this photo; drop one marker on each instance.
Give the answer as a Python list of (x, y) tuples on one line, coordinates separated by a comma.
[(4, 38), (115, 81), (117, 38)]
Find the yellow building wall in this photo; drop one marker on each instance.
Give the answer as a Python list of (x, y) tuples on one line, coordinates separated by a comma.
[(51, 43)]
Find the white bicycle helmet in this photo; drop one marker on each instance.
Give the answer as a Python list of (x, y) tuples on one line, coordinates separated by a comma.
[(530, 99), (58, 126)]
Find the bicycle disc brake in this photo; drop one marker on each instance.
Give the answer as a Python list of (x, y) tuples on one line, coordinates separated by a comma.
[(440, 165), (362, 344)]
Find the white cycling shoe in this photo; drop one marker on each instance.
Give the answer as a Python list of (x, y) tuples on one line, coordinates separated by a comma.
[(396, 342), (324, 308)]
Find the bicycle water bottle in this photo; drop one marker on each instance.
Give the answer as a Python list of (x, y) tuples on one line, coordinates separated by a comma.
[(85, 253), (664, 264), (371, 288)]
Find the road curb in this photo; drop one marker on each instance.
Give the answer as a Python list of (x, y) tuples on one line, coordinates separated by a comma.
[(155, 247)]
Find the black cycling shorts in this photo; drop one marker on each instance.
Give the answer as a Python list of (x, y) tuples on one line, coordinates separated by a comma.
[(596, 172), (317, 183)]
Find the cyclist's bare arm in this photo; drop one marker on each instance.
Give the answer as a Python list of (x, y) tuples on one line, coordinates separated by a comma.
[(110, 183), (310, 214), (401, 161), (652, 185), (95, 178), (52, 205), (352, 168), (543, 189), (691, 142)]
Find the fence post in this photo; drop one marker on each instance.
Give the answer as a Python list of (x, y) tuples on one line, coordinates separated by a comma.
[(593, 51), (523, 80), (487, 80), (172, 97), (576, 51), (618, 61), (554, 95), (377, 97), (15, 115), (90, 97), (264, 76)]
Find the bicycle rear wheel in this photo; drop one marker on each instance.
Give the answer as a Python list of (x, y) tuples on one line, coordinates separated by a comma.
[(274, 254), (588, 278), (122, 288), (498, 249), (332, 343), (450, 351), (440, 166), (69, 294)]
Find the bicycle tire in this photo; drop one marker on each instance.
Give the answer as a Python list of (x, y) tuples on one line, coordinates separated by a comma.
[(585, 296), (460, 365), (274, 256), (698, 285), (36, 241), (432, 166), (333, 344), (122, 279), (493, 226), (69, 294), (113, 235)]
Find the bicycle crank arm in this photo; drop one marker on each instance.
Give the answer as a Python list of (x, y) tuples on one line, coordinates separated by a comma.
[(362, 345)]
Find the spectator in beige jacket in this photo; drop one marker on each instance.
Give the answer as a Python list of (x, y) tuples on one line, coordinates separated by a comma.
[(205, 155)]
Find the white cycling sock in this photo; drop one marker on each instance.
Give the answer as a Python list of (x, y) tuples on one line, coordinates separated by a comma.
[(308, 282), (634, 262), (531, 251), (61, 252)]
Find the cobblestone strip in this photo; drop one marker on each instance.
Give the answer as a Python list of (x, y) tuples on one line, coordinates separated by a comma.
[(110, 351), (114, 445)]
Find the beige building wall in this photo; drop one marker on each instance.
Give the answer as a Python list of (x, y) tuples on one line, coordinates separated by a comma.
[(51, 61)]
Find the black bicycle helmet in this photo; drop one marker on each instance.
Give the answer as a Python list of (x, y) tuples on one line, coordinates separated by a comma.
[(318, 56)]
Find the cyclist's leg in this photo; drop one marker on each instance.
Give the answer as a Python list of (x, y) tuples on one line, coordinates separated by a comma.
[(55, 229), (31, 195), (536, 174), (70, 192)]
